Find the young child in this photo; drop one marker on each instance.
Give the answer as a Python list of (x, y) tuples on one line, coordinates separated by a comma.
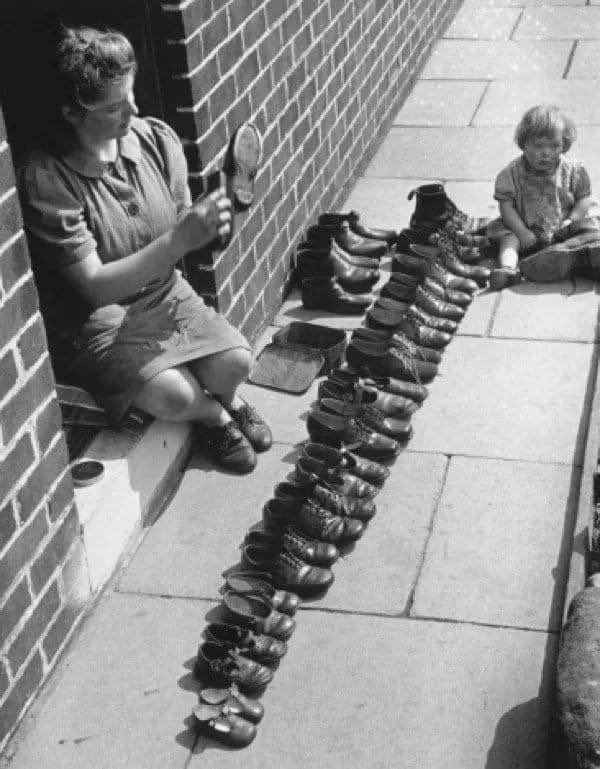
[(544, 196)]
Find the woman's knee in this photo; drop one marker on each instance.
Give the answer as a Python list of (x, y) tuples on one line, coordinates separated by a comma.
[(171, 395), (224, 371)]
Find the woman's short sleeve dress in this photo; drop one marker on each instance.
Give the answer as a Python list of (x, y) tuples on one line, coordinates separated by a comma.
[(74, 205)]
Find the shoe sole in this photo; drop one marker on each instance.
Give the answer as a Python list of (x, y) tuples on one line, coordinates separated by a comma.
[(243, 160), (550, 264)]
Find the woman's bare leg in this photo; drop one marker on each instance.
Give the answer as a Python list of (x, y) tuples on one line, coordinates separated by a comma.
[(175, 395), (222, 373)]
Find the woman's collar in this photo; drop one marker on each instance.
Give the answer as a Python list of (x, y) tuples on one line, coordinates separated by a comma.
[(88, 165)]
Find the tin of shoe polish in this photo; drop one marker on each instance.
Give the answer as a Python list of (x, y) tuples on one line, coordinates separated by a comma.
[(86, 472)]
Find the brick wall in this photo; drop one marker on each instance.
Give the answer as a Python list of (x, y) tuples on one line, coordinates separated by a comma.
[(43, 575), (321, 79)]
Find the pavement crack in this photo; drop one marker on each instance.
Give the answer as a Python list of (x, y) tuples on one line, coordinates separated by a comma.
[(570, 58), (411, 595)]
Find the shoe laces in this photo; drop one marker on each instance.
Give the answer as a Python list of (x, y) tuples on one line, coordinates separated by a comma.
[(285, 558), (406, 360), (224, 438), (401, 341), (247, 416)]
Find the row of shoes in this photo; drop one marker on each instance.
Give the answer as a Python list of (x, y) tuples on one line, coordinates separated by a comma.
[(338, 262), (306, 524), (363, 419)]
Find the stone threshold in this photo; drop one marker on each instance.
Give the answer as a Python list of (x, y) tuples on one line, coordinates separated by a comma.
[(140, 473)]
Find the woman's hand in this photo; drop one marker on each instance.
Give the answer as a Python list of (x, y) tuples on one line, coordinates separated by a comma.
[(527, 239), (207, 219)]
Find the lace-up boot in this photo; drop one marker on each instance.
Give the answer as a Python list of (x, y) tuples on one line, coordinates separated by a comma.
[(365, 476), (262, 648), (390, 405), (450, 257), (357, 226)]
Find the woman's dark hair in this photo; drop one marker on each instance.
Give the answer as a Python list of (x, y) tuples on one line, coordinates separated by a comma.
[(88, 61)]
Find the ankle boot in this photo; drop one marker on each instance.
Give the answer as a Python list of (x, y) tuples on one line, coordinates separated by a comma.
[(327, 294), (348, 240), (358, 227), (355, 280)]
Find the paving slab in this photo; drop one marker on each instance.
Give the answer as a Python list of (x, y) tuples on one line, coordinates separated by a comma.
[(385, 692), (122, 699), (585, 61), (565, 310), (497, 60), (462, 153), (383, 202), (378, 576), (483, 23), (558, 23), (457, 153), (508, 399), (511, 567), (441, 102), (199, 534), (503, 104)]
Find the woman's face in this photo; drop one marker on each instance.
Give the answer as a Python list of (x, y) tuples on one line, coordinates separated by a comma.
[(109, 118)]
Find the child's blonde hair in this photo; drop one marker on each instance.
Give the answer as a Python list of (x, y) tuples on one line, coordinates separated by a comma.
[(545, 121)]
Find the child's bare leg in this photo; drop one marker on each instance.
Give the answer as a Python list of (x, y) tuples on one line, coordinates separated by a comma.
[(508, 251), (507, 273)]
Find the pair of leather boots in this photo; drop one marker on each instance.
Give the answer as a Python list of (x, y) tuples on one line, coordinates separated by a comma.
[(354, 412), (338, 263)]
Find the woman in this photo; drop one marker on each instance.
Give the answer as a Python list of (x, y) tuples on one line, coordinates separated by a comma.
[(108, 212)]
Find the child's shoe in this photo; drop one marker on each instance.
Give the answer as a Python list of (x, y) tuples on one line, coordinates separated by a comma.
[(503, 277)]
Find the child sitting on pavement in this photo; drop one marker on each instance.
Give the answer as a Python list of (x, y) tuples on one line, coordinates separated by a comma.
[(544, 196)]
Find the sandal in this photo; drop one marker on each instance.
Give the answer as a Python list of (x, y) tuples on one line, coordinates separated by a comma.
[(256, 613), (235, 701), (221, 724)]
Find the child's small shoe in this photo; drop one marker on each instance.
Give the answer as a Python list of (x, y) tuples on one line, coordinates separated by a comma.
[(503, 277)]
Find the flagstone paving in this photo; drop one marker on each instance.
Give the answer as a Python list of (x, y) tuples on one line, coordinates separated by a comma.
[(436, 644)]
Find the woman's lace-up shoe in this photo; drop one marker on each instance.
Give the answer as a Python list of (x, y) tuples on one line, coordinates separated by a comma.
[(228, 447), (288, 570), (224, 666), (262, 648), (253, 426)]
